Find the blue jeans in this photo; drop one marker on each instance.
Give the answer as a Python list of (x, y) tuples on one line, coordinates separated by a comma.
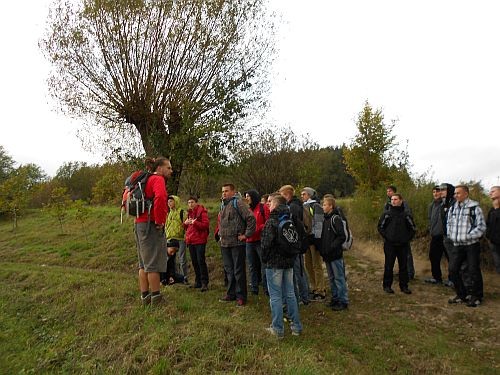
[(280, 281), (336, 274), (301, 283), (256, 269), (181, 263)]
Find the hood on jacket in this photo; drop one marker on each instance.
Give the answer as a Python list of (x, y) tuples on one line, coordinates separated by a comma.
[(450, 190), (255, 197), (177, 201)]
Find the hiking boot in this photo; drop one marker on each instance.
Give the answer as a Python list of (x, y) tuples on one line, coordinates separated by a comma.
[(332, 303), (339, 306), (227, 298), (448, 283), (388, 290), (146, 301), (406, 290), (455, 300), (273, 332), (474, 302), (296, 333), (318, 298), (433, 281), (204, 288), (240, 302), (156, 300)]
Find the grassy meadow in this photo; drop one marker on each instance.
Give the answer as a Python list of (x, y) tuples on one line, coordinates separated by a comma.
[(69, 303)]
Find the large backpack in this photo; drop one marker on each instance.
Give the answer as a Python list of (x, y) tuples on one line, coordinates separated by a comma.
[(347, 244), (289, 237), (137, 203)]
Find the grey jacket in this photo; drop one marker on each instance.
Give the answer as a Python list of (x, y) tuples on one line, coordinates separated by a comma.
[(233, 222), (435, 219)]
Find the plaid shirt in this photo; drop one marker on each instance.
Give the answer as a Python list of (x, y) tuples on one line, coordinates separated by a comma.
[(462, 229)]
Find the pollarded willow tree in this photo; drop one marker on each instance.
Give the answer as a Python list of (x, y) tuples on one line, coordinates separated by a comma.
[(176, 76)]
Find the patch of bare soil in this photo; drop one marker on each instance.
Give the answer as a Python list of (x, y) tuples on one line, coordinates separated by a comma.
[(428, 305)]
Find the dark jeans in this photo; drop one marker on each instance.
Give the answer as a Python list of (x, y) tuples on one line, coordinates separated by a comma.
[(436, 252), (256, 270), (391, 253), (234, 266), (495, 251), (300, 281), (197, 253), (165, 276), (410, 266), (473, 284)]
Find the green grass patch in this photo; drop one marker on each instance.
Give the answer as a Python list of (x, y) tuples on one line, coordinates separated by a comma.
[(69, 303)]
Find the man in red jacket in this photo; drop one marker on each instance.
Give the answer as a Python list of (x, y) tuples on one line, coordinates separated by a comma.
[(197, 227), (150, 231)]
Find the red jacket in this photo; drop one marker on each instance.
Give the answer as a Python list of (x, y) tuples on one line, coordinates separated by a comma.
[(260, 221), (156, 189), (197, 233)]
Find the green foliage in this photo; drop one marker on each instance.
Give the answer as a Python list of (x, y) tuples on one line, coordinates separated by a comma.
[(332, 176), (6, 164), (17, 189), (59, 205), (373, 158), (78, 178), (108, 189), (68, 307), (268, 158)]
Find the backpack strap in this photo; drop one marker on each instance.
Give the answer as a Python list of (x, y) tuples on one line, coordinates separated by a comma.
[(332, 224)]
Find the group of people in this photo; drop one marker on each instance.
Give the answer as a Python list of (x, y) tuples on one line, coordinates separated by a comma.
[(248, 233), (456, 226)]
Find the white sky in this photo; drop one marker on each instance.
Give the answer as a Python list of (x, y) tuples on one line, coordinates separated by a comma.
[(434, 65)]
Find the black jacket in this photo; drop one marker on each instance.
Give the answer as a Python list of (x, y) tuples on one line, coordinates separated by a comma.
[(332, 240), (296, 208), (448, 202), (493, 226), (396, 226), (269, 242)]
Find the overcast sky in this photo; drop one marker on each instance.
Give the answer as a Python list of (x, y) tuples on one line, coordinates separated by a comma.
[(432, 65)]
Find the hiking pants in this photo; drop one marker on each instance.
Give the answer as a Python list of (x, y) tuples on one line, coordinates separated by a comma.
[(198, 260), (391, 253), (436, 251), (234, 266), (474, 286), (314, 267)]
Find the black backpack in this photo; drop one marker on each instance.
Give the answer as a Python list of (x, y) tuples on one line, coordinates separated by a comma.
[(137, 203), (290, 236)]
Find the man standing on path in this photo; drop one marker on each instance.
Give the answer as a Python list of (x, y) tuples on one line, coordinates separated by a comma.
[(236, 223), (397, 228), (436, 249), (391, 190), (313, 223), (466, 225)]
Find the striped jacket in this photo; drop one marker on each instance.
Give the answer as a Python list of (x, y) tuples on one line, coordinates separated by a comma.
[(466, 224)]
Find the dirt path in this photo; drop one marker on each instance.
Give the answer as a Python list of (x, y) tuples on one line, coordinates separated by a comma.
[(429, 302)]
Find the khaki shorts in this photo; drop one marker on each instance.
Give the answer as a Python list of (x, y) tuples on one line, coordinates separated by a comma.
[(151, 247)]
